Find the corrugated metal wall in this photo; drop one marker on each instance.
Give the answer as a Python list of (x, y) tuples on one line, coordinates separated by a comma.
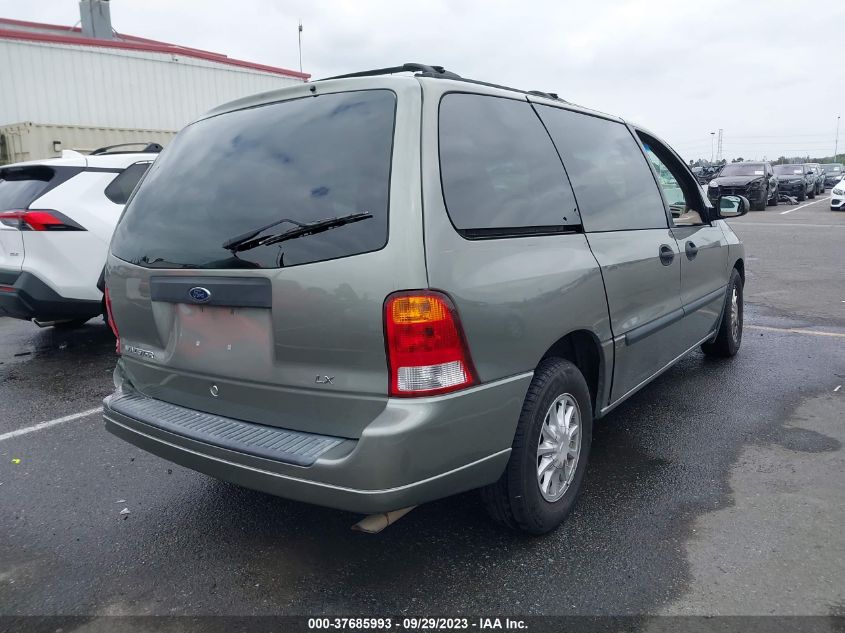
[(83, 85)]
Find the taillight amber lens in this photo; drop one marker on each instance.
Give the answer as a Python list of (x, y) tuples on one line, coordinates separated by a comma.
[(426, 348)]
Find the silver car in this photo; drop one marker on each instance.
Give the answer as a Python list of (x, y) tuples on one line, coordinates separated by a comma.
[(382, 289)]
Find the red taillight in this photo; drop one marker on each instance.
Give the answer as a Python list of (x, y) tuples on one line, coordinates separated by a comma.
[(7, 288), (426, 348), (110, 319), (39, 220)]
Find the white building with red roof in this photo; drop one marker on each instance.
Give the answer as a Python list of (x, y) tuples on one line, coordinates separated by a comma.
[(94, 86)]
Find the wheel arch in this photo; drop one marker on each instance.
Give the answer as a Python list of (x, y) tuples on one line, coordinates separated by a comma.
[(739, 265), (583, 349)]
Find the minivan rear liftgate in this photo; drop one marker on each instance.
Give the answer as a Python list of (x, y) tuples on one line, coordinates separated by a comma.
[(240, 304)]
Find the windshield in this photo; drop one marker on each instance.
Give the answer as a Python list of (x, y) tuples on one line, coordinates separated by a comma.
[(789, 170), (743, 169), (306, 159), (832, 169)]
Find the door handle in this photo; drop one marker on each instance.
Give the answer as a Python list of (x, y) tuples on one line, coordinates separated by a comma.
[(667, 255), (691, 250)]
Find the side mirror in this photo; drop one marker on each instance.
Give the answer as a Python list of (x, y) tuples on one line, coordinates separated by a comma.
[(732, 206)]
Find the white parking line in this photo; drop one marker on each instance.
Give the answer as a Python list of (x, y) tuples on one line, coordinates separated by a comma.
[(795, 330), (49, 423), (801, 224), (804, 205)]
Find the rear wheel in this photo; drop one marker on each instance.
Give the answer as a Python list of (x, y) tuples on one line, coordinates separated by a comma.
[(549, 454), (729, 337)]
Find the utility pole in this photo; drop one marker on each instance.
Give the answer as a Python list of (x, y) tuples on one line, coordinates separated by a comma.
[(300, 45), (836, 144), (712, 136)]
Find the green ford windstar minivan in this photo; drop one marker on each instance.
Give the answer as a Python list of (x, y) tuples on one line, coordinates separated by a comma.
[(385, 288)]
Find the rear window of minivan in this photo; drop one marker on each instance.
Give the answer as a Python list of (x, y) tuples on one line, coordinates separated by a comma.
[(304, 160)]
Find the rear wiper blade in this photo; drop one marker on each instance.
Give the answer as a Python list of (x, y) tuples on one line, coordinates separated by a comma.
[(250, 240)]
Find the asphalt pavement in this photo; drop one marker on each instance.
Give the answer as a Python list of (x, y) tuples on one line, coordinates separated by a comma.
[(718, 489)]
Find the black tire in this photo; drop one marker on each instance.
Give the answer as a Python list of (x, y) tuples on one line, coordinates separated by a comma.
[(70, 325), (728, 339), (759, 206), (812, 193), (515, 500), (803, 195), (774, 201)]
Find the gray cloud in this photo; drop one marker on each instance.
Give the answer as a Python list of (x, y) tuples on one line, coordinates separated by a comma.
[(682, 69)]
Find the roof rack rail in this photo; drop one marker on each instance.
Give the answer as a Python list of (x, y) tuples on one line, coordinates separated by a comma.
[(547, 95), (422, 70), (149, 148), (438, 72)]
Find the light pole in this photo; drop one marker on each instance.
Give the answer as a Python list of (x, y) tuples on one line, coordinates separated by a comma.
[(836, 143), (712, 137), (299, 34)]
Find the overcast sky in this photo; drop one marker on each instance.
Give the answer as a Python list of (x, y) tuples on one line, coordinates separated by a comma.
[(770, 73)]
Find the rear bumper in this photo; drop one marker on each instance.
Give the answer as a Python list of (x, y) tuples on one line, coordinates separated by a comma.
[(414, 451), (25, 296)]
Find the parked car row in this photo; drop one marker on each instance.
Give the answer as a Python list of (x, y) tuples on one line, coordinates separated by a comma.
[(763, 184)]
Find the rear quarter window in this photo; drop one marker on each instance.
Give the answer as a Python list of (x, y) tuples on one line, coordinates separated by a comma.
[(124, 184), (613, 183), (308, 159), (20, 186), (499, 170)]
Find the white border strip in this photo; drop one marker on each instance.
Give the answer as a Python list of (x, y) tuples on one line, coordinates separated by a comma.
[(791, 330), (804, 205), (49, 423)]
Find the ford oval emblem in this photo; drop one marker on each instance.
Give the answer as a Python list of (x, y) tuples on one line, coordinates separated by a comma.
[(199, 294)]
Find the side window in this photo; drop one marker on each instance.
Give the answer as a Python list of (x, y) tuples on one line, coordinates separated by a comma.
[(121, 187), (612, 181), (682, 206), (499, 170)]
